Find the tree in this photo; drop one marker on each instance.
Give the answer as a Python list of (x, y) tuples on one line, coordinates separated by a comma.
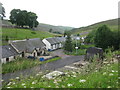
[(50, 30), (68, 43), (103, 37), (23, 18), (2, 11)]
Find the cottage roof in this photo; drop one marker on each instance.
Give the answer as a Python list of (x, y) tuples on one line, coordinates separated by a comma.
[(28, 45), (55, 40), (7, 51)]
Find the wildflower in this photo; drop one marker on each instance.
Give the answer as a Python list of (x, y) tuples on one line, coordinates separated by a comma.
[(8, 87), (63, 86), (110, 74), (104, 73), (9, 83), (118, 77), (69, 85), (32, 87), (116, 71), (2, 80), (82, 81), (17, 78), (109, 87), (37, 74), (57, 87), (23, 84), (49, 86), (13, 83), (74, 76), (113, 71), (33, 82)]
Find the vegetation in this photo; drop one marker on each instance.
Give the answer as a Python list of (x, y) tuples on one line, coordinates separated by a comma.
[(103, 37), (112, 24), (18, 34), (68, 44), (93, 75), (23, 18), (23, 63), (2, 11)]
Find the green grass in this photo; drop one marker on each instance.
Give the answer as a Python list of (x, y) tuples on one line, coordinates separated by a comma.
[(106, 76), (15, 33), (23, 63), (79, 52)]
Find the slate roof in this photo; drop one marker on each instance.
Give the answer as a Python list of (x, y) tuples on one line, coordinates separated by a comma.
[(7, 51), (55, 40), (28, 45)]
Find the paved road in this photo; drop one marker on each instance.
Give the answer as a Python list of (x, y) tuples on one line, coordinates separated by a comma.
[(48, 66), (60, 53)]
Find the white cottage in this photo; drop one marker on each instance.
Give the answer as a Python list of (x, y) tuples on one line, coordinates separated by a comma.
[(8, 53), (53, 43)]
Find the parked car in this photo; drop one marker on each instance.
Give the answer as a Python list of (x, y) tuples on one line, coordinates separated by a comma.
[(31, 57)]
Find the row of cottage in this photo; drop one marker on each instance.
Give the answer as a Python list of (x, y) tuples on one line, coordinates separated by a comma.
[(29, 47)]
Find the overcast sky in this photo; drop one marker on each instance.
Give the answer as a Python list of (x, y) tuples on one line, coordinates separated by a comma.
[(74, 13)]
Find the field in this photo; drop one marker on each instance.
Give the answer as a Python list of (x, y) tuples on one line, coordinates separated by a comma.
[(96, 75), (18, 34)]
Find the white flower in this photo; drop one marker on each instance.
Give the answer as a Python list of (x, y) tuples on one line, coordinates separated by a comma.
[(17, 78), (110, 74), (33, 82), (49, 86), (8, 87), (118, 77), (2, 80), (9, 83), (31, 87), (113, 71), (74, 76), (69, 85), (63, 86), (116, 71), (104, 73), (23, 84), (82, 80), (109, 87), (37, 74)]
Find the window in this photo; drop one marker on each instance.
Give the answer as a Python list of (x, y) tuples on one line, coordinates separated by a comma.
[(7, 59)]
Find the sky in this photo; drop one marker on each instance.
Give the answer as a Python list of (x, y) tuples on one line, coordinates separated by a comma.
[(74, 13)]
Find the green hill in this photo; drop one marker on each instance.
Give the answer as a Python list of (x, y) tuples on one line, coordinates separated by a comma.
[(18, 34), (47, 27), (112, 24)]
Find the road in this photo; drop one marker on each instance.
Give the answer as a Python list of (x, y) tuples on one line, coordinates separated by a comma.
[(66, 60)]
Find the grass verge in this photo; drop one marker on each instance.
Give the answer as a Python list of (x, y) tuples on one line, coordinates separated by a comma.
[(23, 63)]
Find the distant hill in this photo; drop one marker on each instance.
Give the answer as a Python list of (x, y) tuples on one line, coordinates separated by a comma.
[(112, 24), (44, 27), (47, 27)]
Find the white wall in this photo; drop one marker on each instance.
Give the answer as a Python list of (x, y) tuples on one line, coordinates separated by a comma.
[(48, 45), (3, 60)]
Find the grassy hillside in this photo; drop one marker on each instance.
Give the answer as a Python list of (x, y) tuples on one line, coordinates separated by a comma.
[(112, 24), (47, 27), (44, 27), (15, 33)]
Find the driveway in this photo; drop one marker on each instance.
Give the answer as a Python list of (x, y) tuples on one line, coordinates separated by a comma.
[(59, 53)]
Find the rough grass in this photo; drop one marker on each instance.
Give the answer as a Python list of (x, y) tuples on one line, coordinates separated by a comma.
[(104, 77), (23, 63)]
